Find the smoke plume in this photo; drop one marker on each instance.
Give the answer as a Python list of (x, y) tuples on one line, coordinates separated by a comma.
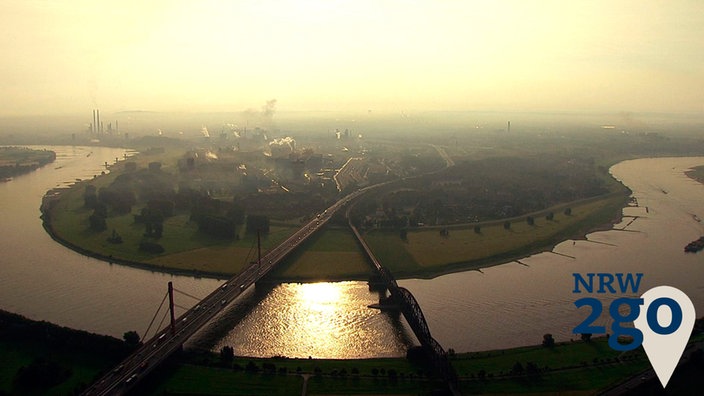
[(264, 117), (282, 147)]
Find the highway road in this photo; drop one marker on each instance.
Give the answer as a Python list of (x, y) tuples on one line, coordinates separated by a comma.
[(157, 349)]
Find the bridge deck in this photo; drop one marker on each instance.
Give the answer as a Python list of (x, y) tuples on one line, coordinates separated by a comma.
[(157, 349), (414, 316)]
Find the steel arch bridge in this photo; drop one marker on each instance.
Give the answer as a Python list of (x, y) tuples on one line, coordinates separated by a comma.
[(411, 310)]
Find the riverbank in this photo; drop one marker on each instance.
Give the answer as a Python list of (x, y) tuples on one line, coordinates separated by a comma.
[(131, 263), (570, 368), (575, 367), (428, 253), (421, 252), (424, 254), (43, 358), (15, 161)]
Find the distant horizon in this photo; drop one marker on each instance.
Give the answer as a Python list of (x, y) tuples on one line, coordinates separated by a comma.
[(402, 112), (384, 55)]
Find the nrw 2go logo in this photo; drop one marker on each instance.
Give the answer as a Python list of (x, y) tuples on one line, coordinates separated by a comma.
[(663, 317)]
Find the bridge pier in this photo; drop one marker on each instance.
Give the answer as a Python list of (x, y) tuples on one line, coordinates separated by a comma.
[(386, 303), (411, 310), (377, 283)]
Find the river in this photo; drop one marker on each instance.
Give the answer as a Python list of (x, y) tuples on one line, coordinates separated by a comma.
[(503, 306), (512, 304), (43, 280)]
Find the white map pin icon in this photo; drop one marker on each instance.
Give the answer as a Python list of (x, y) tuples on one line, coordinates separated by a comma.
[(664, 341)]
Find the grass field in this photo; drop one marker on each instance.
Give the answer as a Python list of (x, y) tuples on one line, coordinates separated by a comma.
[(575, 368), (427, 253), (194, 380), (330, 255), (571, 368), (186, 249), (696, 173), (333, 254), (15, 355)]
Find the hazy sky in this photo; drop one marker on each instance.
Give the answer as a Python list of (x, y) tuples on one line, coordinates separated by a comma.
[(74, 55)]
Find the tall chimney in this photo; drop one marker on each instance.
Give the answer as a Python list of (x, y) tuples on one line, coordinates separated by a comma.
[(92, 127), (97, 121)]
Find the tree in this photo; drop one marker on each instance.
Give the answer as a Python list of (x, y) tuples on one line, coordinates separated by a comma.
[(236, 213), (115, 237), (130, 166), (517, 369), (41, 374), (227, 354), (532, 370), (163, 206), (258, 223), (151, 247), (251, 367), (90, 196), (220, 227), (131, 338), (548, 341), (153, 222), (97, 222), (101, 210)]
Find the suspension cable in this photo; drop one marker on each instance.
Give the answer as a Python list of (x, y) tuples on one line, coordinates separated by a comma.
[(144, 337), (187, 295), (162, 320), (250, 252)]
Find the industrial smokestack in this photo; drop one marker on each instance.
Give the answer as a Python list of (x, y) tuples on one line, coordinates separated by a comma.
[(92, 125), (97, 121)]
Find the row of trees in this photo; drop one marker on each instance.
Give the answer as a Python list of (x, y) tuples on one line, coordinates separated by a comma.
[(214, 217), (488, 189)]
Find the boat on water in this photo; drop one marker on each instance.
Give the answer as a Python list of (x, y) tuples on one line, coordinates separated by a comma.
[(695, 246)]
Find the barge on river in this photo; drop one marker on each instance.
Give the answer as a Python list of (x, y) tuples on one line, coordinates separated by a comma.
[(695, 246)]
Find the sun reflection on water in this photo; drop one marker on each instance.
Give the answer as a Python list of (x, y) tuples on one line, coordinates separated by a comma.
[(321, 312), (319, 296), (326, 320)]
